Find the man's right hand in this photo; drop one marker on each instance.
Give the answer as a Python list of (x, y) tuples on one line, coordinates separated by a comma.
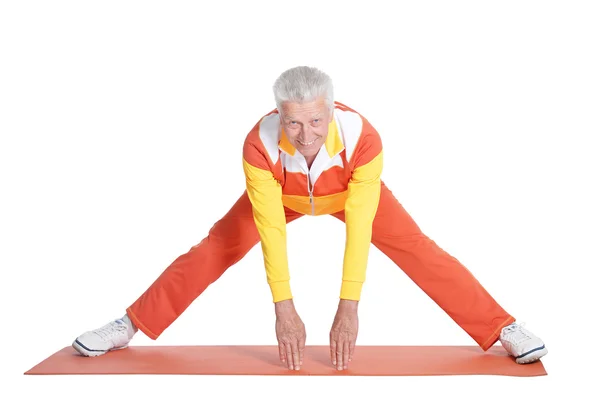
[(291, 334)]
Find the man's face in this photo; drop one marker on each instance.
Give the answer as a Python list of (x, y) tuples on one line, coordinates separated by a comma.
[(306, 125)]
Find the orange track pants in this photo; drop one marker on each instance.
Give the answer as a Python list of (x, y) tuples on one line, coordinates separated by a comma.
[(442, 277)]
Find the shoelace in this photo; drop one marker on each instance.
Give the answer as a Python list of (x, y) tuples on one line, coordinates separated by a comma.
[(516, 333), (111, 329)]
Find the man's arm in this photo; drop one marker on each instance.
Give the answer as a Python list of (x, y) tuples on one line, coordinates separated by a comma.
[(265, 194), (269, 215), (364, 189), (362, 201)]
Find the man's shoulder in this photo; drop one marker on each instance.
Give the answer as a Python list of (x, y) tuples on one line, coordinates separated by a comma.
[(263, 138), (340, 106), (267, 123)]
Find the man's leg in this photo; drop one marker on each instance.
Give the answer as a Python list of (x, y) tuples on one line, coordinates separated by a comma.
[(442, 277), (191, 273), (180, 283)]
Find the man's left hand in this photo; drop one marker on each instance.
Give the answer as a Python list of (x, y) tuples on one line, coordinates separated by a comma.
[(344, 331)]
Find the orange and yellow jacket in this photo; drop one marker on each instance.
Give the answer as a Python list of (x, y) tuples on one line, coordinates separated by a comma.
[(345, 176)]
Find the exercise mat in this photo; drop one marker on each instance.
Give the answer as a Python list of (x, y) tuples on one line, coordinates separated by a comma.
[(264, 360)]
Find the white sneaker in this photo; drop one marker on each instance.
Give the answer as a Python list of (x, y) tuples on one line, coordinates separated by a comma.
[(522, 344), (112, 336)]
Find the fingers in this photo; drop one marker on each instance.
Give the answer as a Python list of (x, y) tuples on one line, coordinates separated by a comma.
[(289, 357), (339, 355), (292, 354), (341, 352), (332, 348), (301, 349), (346, 353), (282, 355), (296, 355)]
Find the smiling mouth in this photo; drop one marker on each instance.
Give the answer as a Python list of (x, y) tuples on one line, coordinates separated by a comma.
[(307, 144)]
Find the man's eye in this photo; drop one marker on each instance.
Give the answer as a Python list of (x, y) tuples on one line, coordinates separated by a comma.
[(316, 120)]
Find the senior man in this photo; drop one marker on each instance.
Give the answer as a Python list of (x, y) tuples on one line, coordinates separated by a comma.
[(313, 155)]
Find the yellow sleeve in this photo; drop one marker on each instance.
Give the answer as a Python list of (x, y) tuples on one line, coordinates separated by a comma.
[(364, 190), (265, 195)]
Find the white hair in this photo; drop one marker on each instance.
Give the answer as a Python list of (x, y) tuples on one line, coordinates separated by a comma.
[(303, 84)]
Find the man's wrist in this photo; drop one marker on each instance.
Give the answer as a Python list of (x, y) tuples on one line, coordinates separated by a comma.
[(284, 307), (349, 305)]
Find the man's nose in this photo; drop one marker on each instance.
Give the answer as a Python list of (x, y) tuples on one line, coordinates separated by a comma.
[(305, 136)]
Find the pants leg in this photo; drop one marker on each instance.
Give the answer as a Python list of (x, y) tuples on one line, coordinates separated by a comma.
[(191, 273), (441, 276)]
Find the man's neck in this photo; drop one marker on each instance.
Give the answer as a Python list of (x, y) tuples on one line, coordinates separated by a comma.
[(310, 160)]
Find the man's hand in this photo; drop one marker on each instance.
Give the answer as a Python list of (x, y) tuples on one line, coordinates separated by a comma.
[(291, 334), (343, 333)]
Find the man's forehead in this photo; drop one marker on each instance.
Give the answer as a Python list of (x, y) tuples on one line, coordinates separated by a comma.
[(299, 111), (312, 115)]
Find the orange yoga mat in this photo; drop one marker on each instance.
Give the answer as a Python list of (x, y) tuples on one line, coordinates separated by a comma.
[(264, 360)]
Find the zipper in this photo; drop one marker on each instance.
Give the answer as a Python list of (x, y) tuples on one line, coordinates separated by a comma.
[(310, 193)]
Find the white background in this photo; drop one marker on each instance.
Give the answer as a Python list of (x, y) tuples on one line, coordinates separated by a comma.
[(122, 124)]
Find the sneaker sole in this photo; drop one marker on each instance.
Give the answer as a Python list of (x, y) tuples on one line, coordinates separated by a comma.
[(532, 357), (85, 351)]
